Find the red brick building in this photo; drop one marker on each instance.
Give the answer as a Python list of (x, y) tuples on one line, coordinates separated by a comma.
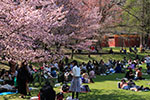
[(121, 41)]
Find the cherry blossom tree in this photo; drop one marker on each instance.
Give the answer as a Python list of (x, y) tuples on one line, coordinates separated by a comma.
[(88, 20), (25, 29), (81, 23), (35, 30)]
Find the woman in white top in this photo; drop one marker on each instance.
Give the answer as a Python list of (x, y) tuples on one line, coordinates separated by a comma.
[(75, 84)]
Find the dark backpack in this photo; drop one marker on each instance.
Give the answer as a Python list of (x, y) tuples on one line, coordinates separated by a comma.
[(60, 96), (65, 88), (60, 77), (47, 93), (70, 77)]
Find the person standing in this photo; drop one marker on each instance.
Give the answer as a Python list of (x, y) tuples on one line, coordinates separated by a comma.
[(22, 79), (75, 84)]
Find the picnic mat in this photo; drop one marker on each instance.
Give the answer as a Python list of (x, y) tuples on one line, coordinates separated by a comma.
[(7, 93)]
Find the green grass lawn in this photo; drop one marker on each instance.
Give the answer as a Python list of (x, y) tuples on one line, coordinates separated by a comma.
[(105, 87)]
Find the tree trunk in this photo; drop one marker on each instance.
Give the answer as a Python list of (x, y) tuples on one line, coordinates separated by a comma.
[(141, 40), (12, 65), (147, 40), (72, 53), (123, 42)]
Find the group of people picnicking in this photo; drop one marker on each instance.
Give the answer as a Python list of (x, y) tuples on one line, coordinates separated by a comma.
[(135, 73), (17, 80), (130, 85), (131, 50), (76, 73)]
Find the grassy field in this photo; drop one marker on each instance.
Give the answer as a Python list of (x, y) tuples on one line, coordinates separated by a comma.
[(105, 87)]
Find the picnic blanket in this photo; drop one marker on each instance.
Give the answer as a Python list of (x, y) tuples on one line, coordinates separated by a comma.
[(7, 93)]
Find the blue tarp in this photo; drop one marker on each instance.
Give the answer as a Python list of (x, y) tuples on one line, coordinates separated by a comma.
[(7, 93)]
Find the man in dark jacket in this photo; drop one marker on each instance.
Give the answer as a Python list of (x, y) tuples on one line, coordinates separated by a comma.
[(47, 92)]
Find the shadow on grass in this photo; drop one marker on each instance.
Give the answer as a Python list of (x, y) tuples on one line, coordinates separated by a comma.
[(109, 95), (94, 95), (116, 77), (109, 77)]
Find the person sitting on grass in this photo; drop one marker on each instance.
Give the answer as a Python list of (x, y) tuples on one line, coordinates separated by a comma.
[(118, 68), (132, 65), (53, 73), (129, 62), (110, 71), (124, 85), (147, 61), (89, 66), (129, 75), (121, 50), (135, 49), (148, 70), (83, 66), (92, 75), (131, 50), (138, 75), (47, 92), (102, 67), (7, 78), (125, 51), (124, 61), (111, 51), (85, 78), (133, 86)]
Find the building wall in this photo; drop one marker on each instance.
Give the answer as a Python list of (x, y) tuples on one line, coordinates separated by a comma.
[(123, 41), (111, 42)]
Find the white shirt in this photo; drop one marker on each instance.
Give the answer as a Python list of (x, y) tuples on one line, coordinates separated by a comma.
[(76, 71), (56, 65), (136, 74), (92, 74), (147, 59), (84, 67), (47, 69)]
